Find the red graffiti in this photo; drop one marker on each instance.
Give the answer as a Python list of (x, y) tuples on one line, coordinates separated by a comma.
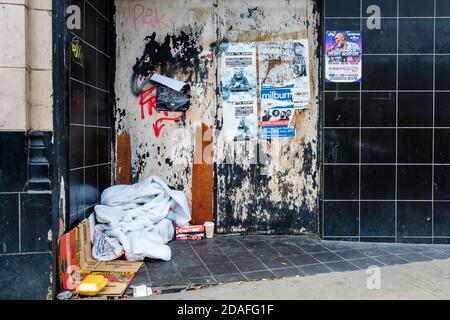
[(148, 99), (150, 17)]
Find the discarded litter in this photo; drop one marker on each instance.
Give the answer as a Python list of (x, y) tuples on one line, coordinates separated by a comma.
[(209, 227), (192, 233), (142, 291), (65, 295), (91, 285)]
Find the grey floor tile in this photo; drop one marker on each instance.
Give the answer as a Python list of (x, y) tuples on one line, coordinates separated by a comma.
[(194, 271), (222, 269), (240, 256), (161, 278), (374, 252), (289, 250), (313, 248), (277, 263), (397, 249), (391, 260), (200, 281), (215, 258), (250, 265), (230, 278), (339, 245), (260, 275), (288, 272), (341, 266), (437, 255), (267, 253), (303, 259), (414, 257), (365, 263), (152, 264), (351, 254), (314, 269), (327, 257)]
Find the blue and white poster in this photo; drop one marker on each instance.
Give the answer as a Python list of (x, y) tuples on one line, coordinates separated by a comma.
[(285, 87)]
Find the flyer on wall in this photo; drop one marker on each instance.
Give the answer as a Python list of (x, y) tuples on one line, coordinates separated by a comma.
[(343, 52), (238, 83), (285, 87)]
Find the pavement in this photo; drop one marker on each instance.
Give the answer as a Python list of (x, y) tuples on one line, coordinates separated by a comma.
[(419, 281)]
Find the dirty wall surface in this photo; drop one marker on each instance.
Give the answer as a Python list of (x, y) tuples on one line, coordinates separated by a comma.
[(270, 186)]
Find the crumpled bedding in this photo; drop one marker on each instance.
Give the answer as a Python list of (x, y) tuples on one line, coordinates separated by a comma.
[(138, 221)]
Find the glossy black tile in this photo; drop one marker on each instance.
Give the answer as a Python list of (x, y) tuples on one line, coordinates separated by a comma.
[(415, 109), (342, 109), (443, 35), (442, 182), (441, 219), (342, 8), (91, 187), (90, 69), (104, 146), (326, 257), (25, 277), (193, 271), (378, 219), (341, 182), (223, 269), (415, 145), (250, 265), (303, 260), (379, 72), (9, 223), (442, 109), (104, 116), (415, 72), (91, 17), (76, 190), (35, 222), (76, 146), (103, 35), (351, 254), (442, 72), (380, 41), (414, 219), (378, 146), (388, 7), (378, 109), (442, 146), (378, 182), (416, 8), (414, 182), (341, 219), (103, 70), (91, 146), (76, 102), (442, 8), (315, 269), (342, 266), (104, 177), (341, 145), (414, 35), (13, 161), (91, 106)]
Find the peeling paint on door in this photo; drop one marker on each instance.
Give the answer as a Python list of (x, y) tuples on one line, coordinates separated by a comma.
[(270, 186)]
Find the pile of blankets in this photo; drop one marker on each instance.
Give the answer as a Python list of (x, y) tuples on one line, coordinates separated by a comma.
[(138, 221)]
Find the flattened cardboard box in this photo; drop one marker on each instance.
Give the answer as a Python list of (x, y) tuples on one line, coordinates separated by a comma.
[(75, 262)]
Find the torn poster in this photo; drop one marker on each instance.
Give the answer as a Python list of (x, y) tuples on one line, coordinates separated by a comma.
[(285, 87), (343, 51), (238, 82)]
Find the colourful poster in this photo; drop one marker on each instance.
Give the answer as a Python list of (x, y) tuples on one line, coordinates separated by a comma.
[(343, 56), (238, 83), (285, 86)]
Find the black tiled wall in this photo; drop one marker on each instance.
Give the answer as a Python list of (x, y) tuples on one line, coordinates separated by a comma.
[(91, 120), (386, 150), (25, 220)]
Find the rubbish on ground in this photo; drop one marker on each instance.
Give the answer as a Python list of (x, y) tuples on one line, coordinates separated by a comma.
[(76, 263), (209, 226), (191, 229), (92, 285), (65, 295), (139, 219), (190, 237), (142, 291)]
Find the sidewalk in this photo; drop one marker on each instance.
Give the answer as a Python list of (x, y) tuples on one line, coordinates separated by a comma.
[(424, 280)]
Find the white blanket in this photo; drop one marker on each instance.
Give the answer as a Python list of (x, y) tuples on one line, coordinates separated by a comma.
[(138, 220)]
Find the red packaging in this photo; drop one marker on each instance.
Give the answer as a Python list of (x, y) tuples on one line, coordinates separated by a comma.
[(191, 229), (190, 237)]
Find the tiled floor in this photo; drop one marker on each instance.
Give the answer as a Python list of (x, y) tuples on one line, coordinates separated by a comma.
[(246, 258)]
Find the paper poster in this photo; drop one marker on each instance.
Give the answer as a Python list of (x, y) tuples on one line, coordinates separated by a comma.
[(285, 87), (343, 52), (238, 82)]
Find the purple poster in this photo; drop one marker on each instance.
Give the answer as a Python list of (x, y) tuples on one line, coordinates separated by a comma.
[(343, 56)]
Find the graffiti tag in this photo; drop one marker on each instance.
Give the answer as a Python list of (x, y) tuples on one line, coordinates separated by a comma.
[(150, 17), (148, 100), (77, 51)]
